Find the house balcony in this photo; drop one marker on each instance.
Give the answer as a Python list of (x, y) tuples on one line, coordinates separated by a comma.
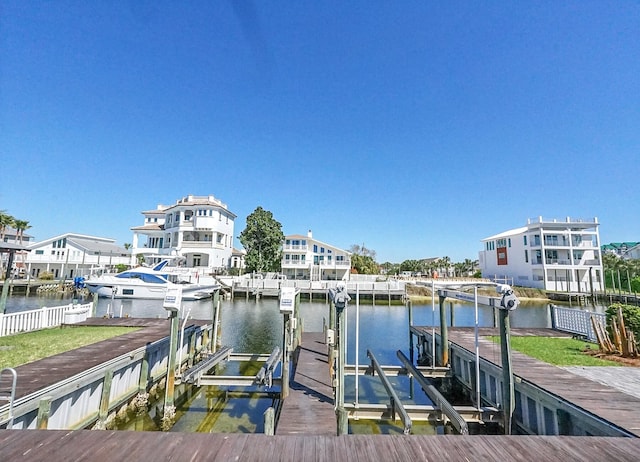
[(295, 264), (197, 244), (300, 248)]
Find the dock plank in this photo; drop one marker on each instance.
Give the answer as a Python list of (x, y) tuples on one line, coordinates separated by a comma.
[(53, 369), (309, 407), (99, 445)]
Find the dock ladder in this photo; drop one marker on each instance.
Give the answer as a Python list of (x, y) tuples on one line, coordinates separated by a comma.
[(9, 394)]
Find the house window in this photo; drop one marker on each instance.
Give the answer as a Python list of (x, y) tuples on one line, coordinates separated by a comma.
[(525, 239), (39, 252), (315, 248), (509, 240), (526, 256)]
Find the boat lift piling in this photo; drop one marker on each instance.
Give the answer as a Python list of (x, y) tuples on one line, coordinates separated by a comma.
[(504, 304)]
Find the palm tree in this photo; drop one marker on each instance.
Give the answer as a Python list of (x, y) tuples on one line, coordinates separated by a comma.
[(21, 226), (445, 262), (6, 220)]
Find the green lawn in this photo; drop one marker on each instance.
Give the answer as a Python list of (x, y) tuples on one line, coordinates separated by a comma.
[(24, 348), (557, 351)]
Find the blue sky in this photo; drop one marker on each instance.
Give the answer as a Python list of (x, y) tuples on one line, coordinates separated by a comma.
[(414, 128)]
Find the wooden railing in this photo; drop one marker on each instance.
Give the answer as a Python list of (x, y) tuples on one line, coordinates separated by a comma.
[(42, 318)]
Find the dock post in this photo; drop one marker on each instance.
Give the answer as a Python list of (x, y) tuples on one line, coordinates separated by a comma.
[(171, 369), (44, 410), (215, 320), (269, 422), (94, 307), (343, 421), (444, 334), (104, 398), (340, 299), (284, 390), (507, 373), (410, 306), (144, 373), (6, 283)]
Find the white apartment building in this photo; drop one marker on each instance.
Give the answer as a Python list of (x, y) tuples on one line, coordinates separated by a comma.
[(304, 257), (70, 255), (547, 254), (197, 228)]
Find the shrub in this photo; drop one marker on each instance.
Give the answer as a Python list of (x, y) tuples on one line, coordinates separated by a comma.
[(46, 276), (121, 267), (630, 314)]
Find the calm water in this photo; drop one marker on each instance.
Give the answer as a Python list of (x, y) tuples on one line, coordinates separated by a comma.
[(256, 327)]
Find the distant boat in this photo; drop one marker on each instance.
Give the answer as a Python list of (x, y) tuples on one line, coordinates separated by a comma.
[(148, 283)]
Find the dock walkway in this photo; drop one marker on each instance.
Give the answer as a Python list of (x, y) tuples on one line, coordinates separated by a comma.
[(604, 400), (309, 409), (103, 445), (40, 374)]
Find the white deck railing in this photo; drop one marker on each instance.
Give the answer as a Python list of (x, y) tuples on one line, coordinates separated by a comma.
[(42, 318), (576, 321)]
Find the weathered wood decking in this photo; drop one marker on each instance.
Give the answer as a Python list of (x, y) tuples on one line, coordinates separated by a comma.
[(100, 445), (43, 373), (310, 382), (620, 409), (309, 410)]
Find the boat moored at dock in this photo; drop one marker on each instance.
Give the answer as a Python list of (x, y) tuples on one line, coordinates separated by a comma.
[(149, 283)]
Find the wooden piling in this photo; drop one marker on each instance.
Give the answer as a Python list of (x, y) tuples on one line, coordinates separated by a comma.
[(44, 410)]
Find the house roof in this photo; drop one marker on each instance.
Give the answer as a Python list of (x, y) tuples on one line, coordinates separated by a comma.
[(98, 246), (103, 245), (619, 245), (9, 247), (10, 230), (511, 232), (151, 227)]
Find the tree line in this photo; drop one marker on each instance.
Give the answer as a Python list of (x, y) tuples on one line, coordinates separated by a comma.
[(263, 239)]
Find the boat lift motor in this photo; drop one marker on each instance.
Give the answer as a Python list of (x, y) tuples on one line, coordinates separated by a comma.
[(509, 300), (339, 297)]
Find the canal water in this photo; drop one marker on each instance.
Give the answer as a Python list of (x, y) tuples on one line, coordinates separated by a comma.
[(256, 327)]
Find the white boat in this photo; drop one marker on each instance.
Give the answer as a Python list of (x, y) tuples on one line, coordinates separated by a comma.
[(149, 283)]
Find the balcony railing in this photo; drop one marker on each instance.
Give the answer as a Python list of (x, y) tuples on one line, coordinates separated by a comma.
[(557, 261), (200, 244), (295, 263), (295, 247), (324, 264)]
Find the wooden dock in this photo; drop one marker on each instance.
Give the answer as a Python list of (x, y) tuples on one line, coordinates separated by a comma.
[(306, 430), (620, 409), (101, 445), (48, 371), (309, 410)]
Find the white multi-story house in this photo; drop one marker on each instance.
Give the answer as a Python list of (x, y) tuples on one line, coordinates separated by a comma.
[(70, 255), (197, 228), (558, 255), (304, 257)]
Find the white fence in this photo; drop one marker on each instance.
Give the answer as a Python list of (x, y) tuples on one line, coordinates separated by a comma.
[(27, 321), (576, 321)]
